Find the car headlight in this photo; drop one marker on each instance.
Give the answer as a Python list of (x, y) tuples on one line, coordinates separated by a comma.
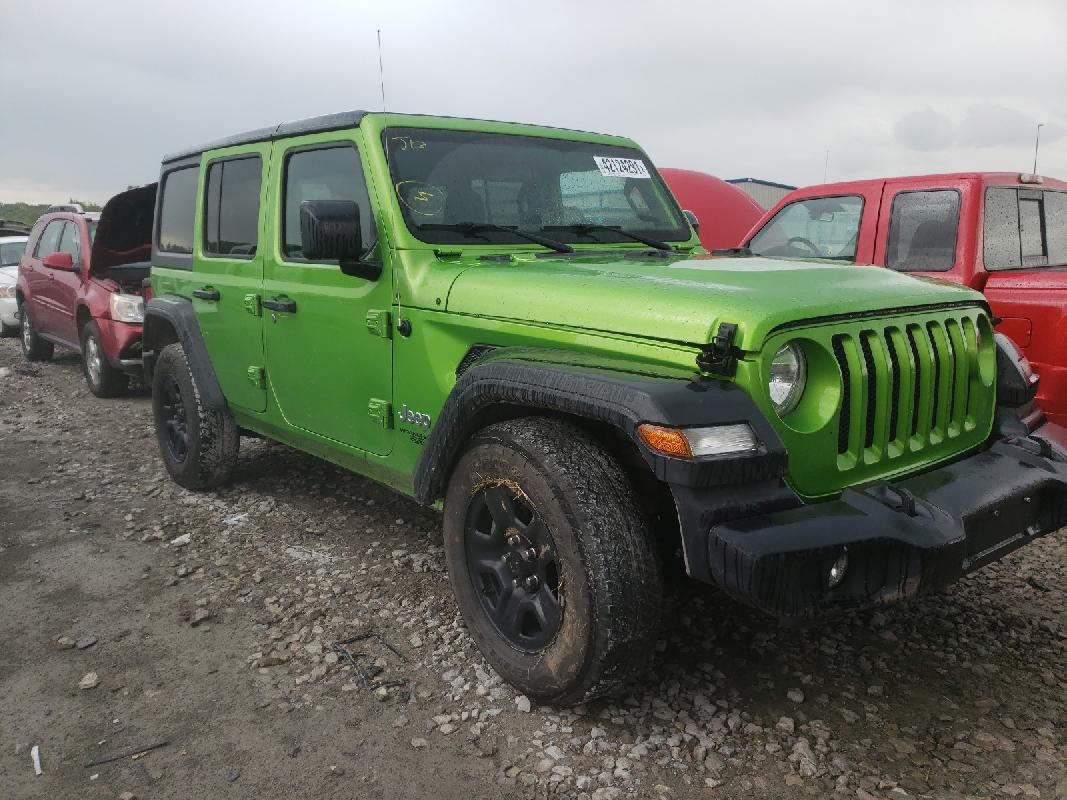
[(788, 373), (127, 308), (7, 290)]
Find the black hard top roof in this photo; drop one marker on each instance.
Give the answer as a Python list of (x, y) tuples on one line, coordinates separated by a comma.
[(327, 122)]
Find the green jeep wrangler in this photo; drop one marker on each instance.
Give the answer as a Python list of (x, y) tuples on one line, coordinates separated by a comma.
[(518, 323)]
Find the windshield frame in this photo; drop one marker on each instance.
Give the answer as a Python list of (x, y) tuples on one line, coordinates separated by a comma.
[(682, 236)]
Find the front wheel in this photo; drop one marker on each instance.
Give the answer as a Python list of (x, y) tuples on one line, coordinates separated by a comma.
[(102, 378), (199, 445), (551, 560), (34, 348)]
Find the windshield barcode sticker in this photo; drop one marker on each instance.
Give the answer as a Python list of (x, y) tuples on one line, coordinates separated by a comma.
[(621, 167)]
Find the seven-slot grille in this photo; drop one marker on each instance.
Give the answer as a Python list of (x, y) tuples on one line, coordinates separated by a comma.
[(905, 387)]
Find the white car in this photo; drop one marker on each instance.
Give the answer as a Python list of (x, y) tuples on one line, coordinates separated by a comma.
[(11, 250)]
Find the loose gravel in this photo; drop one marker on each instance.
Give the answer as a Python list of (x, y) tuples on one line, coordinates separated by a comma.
[(959, 695)]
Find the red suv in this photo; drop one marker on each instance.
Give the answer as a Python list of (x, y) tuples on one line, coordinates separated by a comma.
[(1004, 234), (80, 286)]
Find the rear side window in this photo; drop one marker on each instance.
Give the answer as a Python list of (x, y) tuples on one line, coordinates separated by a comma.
[(231, 207), (176, 211), (1024, 228), (50, 238), (330, 173), (922, 231)]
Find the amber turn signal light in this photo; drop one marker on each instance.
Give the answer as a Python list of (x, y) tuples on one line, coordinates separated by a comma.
[(669, 441)]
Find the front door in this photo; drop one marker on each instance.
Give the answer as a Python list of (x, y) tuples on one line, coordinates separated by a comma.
[(229, 270), (329, 354)]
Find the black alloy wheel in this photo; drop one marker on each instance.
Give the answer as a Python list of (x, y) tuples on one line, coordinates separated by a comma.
[(512, 561)]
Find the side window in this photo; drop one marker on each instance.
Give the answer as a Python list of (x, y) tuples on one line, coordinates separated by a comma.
[(922, 231), (49, 242), (1001, 229), (1056, 227), (328, 173), (71, 242), (176, 211), (1024, 228), (822, 227), (231, 208)]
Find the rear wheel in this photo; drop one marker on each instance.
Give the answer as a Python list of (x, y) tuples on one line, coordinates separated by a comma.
[(199, 445), (103, 379), (551, 560), (34, 348)]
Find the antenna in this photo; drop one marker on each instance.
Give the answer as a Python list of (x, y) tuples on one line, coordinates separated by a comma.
[(1037, 141), (826, 167), (401, 324), (381, 71)]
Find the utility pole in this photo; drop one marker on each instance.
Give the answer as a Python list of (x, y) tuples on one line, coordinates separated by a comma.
[(1037, 141)]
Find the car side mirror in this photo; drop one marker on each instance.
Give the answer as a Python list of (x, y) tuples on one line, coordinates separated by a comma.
[(693, 219), (61, 261), (330, 231)]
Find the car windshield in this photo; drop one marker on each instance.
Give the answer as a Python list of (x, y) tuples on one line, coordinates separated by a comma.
[(822, 227), (11, 252), (471, 187)]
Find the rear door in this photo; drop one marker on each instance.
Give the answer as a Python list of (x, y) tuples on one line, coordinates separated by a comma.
[(39, 278), (1025, 259), (919, 228), (228, 269), (329, 351)]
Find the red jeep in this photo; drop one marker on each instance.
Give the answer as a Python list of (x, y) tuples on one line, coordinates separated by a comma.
[(80, 286), (1004, 234)]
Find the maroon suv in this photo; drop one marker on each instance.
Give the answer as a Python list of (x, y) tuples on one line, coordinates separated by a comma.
[(80, 286)]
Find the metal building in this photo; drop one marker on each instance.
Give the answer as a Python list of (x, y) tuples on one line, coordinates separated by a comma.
[(766, 193)]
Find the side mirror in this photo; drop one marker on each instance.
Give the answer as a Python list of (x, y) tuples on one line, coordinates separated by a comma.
[(693, 220), (62, 261), (330, 231)]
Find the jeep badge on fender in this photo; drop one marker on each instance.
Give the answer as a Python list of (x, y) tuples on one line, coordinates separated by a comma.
[(812, 437)]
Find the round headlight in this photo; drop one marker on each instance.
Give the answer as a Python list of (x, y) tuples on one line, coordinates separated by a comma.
[(786, 384)]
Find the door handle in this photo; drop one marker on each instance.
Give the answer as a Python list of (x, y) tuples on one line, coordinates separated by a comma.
[(206, 294), (280, 304)]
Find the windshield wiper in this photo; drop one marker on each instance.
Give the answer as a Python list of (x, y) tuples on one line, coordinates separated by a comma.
[(477, 228), (732, 251), (585, 228)]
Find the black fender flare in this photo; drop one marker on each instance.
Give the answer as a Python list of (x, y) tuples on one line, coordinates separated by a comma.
[(619, 394), (171, 312)]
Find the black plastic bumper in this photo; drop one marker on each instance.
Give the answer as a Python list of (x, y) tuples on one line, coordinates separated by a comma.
[(902, 539)]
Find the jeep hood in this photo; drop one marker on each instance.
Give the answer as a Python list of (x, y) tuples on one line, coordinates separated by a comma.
[(684, 300)]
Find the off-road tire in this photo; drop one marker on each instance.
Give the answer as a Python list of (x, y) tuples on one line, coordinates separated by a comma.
[(34, 348), (212, 440), (102, 379), (610, 577)]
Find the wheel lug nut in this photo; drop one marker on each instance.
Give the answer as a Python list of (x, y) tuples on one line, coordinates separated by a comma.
[(532, 583), (531, 553), (513, 541)]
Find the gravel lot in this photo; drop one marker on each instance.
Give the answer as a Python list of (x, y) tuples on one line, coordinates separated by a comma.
[(223, 646)]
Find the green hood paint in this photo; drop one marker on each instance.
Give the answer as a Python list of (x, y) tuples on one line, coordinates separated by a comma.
[(683, 299)]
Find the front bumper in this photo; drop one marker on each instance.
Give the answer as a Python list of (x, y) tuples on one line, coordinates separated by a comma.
[(9, 312), (122, 344), (902, 539)]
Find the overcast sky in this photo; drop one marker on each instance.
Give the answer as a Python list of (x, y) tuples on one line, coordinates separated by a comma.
[(95, 92)]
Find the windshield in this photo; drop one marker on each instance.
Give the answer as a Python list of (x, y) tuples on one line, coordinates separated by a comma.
[(11, 252), (563, 189), (822, 227)]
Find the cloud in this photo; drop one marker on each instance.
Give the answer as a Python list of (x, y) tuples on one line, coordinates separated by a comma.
[(925, 130), (759, 88)]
